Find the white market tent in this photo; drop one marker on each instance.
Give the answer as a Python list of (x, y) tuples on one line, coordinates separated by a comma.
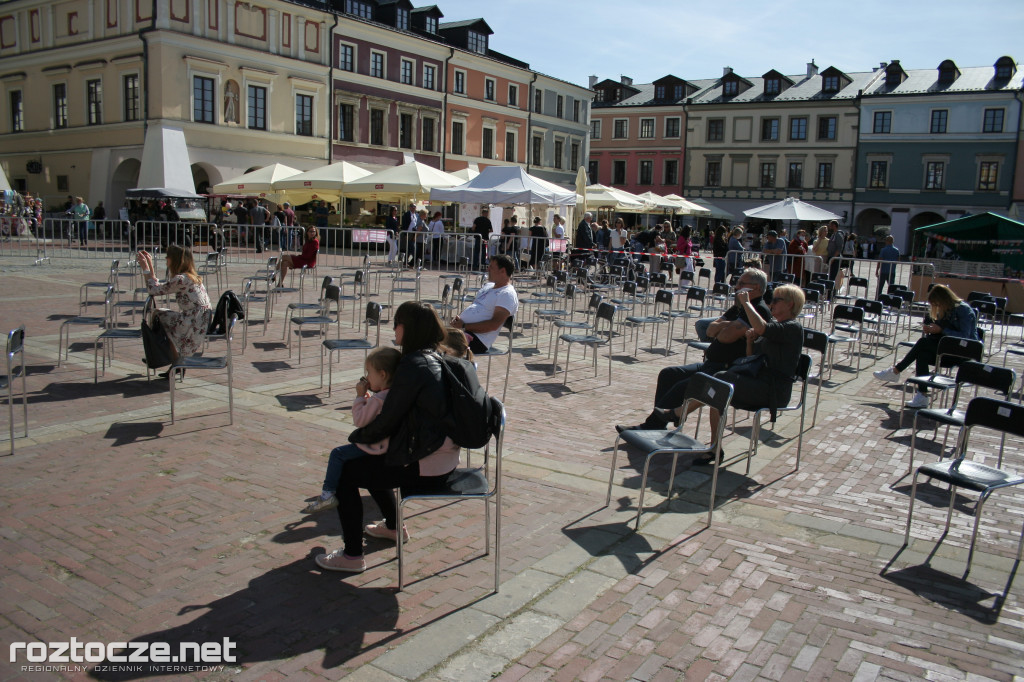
[(257, 182), (601, 196), (506, 185), (411, 181), (687, 207), (466, 173), (790, 208), (327, 183), (166, 169)]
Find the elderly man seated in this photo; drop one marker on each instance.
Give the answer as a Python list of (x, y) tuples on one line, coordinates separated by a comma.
[(494, 303), (728, 343)]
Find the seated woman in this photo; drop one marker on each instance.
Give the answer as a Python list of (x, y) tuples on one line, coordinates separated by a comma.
[(952, 317), (186, 329), (419, 454), (310, 247), (778, 342)]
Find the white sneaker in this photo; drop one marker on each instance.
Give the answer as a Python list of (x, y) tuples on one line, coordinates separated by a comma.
[(889, 375), (919, 401)]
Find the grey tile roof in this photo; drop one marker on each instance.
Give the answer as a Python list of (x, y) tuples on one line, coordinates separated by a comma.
[(972, 79)]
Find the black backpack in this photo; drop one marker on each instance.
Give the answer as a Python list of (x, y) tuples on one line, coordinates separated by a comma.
[(468, 421)]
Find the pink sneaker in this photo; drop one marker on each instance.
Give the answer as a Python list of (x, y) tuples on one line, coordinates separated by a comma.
[(380, 530), (339, 561)]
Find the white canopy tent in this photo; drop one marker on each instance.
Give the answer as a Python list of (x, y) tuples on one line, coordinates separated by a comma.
[(687, 207), (411, 181), (506, 185), (602, 196), (327, 183), (466, 173)]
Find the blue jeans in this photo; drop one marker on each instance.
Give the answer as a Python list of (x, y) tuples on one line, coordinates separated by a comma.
[(336, 463), (719, 270), (672, 382), (701, 327)]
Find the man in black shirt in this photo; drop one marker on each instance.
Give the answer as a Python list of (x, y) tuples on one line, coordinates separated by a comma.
[(728, 343), (481, 226)]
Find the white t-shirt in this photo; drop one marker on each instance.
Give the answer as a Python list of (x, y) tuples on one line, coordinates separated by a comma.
[(617, 239), (437, 228), (482, 309), (559, 230)]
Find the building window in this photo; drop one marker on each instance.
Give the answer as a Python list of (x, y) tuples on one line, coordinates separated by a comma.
[(402, 19), (405, 129), (599, 95), (879, 175), (798, 128), (935, 175), (646, 172), (592, 172), (646, 128), (510, 146), (346, 57), (559, 151), (827, 127), (377, 64), (767, 175), (359, 9), (882, 122), (202, 100), (559, 106), (377, 126), (346, 122), (713, 174), (130, 94), (677, 92), (405, 76), (731, 88), (595, 129), (574, 155), (824, 180), (489, 89), (618, 172), (429, 73), (430, 25), (671, 171), (716, 130), (659, 92), (769, 130), (513, 95), (17, 112), (257, 107), (621, 130), (62, 183), (795, 176), (538, 148), (772, 86), (94, 102), (830, 84), (939, 118), (576, 110), (488, 144), (457, 137), (428, 135), (460, 83), (672, 127), (476, 42), (988, 176), (304, 115), (538, 101), (993, 121)]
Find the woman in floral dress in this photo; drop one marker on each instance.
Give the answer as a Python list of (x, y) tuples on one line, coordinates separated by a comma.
[(187, 327)]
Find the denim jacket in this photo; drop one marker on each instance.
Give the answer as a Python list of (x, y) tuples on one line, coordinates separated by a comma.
[(961, 322)]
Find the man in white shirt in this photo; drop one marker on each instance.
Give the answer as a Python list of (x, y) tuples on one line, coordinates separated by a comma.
[(494, 303), (558, 229)]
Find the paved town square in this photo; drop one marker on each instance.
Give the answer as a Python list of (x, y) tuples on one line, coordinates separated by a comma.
[(118, 526)]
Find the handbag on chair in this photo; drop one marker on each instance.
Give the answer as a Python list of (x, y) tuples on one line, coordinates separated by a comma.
[(155, 342)]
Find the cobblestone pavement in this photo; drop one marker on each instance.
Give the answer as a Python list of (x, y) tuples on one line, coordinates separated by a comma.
[(119, 526)]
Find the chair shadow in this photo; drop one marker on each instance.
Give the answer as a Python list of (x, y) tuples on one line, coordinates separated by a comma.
[(950, 591), (287, 611), (268, 367), (554, 390), (126, 387), (267, 346), (126, 433), (297, 403)]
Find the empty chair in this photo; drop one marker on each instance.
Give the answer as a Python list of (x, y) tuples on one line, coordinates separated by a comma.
[(663, 297), (83, 291), (15, 362), (606, 312), (107, 338), (847, 324), (64, 334), (320, 320), (817, 341), (330, 346), (302, 305), (216, 267), (551, 314), (202, 362), (963, 472)]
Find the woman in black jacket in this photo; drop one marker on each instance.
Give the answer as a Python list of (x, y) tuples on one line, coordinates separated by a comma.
[(419, 454)]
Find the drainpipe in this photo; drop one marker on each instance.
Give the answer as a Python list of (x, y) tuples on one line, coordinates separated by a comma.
[(1019, 96), (330, 98), (856, 163), (145, 70), (444, 111), (529, 124)]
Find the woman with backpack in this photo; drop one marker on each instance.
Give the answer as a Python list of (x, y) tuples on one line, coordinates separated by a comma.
[(419, 454)]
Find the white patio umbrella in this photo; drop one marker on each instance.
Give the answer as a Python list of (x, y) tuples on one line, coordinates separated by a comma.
[(327, 182), (257, 182), (790, 208), (659, 202), (687, 207), (410, 181), (602, 196), (466, 174)]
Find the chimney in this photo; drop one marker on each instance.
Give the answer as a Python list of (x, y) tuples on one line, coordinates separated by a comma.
[(726, 71), (625, 80), (812, 69), (593, 82)]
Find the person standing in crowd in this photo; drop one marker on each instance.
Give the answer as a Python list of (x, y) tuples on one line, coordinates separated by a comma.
[(819, 248), (734, 259), (834, 254), (584, 241), (719, 250), (482, 228), (558, 228), (684, 250), (290, 231), (798, 247), (80, 210), (885, 271), (436, 234), (538, 242), (775, 248)]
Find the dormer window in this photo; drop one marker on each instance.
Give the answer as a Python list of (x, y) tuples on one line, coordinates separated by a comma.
[(677, 92), (402, 19), (830, 84), (431, 24), (730, 88), (359, 9), (618, 94), (772, 86), (659, 92), (476, 42), (894, 74), (948, 72), (599, 95), (1005, 68)]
